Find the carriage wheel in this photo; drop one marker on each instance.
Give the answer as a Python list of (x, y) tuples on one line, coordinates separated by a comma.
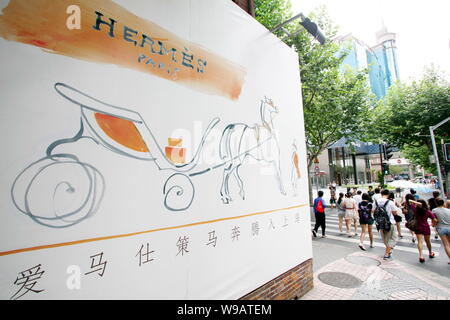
[(179, 192), (58, 191)]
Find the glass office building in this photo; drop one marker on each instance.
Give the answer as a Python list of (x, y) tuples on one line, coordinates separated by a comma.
[(382, 60)]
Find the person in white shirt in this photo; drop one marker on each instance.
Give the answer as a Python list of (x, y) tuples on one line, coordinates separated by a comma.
[(358, 197), (377, 195), (443, 226), (351, 213), (390, 236)]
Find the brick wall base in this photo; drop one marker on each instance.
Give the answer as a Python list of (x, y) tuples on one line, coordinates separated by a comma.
[(290, 285)]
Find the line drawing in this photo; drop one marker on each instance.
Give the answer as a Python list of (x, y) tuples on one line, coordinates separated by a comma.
[(259, 135), (124, 132)]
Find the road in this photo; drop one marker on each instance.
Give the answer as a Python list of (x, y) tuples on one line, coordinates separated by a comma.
[(337, 246)]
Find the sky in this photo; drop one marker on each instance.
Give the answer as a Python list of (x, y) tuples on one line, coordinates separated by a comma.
[(422, 28)]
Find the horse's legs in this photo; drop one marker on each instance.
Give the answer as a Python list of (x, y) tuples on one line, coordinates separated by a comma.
[(239, 181), (224, 192)]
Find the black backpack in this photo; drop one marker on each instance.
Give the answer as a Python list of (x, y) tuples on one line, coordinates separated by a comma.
[(381, 216)]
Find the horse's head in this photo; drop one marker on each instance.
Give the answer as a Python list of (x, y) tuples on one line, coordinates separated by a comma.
[(270, 105)]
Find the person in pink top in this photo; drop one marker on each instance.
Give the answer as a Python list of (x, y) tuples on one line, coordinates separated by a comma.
[(422, 230)]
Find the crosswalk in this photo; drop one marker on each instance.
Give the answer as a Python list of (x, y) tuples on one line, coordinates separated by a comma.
[(403, 244)]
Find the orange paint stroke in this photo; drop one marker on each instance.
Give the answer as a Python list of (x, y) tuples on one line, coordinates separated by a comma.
[(122, 131), (70, 243), (130, 42)]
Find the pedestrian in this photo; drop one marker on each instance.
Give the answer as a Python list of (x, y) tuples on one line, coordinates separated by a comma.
[(414, 193), (370, 192), (408, 211), (389, 236), (377, 195), (398, 192), (422, 228), (443, 225), (319, 212), (397, 218), (365, 220), (351, 213), (358, 197), (332, 196), (354, 192), (432, 204), (341, 212)]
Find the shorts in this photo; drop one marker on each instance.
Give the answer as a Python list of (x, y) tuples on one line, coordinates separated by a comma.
[(341, 213), (370, 220), (389, 237), (397, 218), (443, 231)]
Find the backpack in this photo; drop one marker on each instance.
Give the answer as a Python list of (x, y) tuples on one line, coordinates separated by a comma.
[(381, 216), (364, 212), (319, 207)]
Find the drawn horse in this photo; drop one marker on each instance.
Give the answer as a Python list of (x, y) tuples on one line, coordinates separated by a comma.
[(234, 148)]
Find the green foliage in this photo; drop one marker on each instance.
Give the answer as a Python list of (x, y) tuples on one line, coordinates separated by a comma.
[(404, 116), (419, 156), (270, 13)]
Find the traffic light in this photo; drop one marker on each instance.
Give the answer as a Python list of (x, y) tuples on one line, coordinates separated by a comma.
[(385, 168), (313, 29), (447, 152), (388, 151)]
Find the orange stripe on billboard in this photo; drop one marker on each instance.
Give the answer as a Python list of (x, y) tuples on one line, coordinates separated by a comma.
[(111, 34), (125, 235)]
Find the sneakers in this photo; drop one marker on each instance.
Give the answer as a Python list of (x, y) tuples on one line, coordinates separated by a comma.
[(314, 233), (362, 247)]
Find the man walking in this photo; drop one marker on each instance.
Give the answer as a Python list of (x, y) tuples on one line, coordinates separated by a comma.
[(319, 212), (389, 236)]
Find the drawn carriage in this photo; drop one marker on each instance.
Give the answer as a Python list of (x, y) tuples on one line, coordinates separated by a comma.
[(124, 131)]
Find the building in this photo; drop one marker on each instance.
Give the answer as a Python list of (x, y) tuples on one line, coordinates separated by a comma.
[(382, 59), (359, 162)]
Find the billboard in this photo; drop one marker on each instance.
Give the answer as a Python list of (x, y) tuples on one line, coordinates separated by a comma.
[(151, 150)]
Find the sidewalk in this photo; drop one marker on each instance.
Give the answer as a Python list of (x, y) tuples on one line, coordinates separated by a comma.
[(365, 276)]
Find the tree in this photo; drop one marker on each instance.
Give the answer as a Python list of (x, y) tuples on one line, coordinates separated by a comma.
[(272, 12), (404, 116)]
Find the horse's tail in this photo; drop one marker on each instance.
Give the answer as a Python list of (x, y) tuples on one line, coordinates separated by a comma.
[(224, 147)]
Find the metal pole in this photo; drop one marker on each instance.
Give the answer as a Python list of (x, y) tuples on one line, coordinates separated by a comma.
[(436, 158)]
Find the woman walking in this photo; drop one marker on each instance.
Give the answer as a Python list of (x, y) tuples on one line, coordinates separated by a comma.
[(409, 212), (443, 226), (332, 196), (365, 220), (422, 229), (351, 213), (432, 204), (341, 212)]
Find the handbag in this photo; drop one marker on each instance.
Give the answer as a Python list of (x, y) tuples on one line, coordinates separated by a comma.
[(412, 224)]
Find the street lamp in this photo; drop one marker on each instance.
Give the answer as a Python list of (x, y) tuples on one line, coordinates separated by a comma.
[(436, 157), (310, 26)]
